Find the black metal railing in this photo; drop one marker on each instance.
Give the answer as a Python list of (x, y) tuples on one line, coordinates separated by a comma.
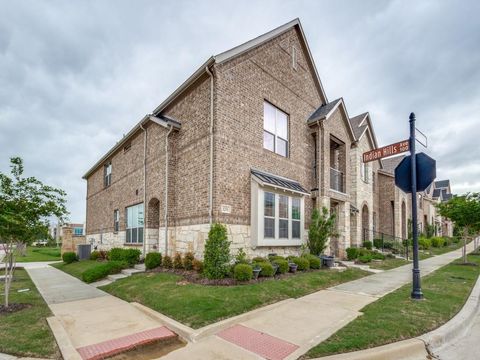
[(387, 243)]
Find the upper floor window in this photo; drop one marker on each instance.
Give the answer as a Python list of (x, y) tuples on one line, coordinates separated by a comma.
[(78, 231), (134, 222), (275, 129), (364, 170), (107, 174)]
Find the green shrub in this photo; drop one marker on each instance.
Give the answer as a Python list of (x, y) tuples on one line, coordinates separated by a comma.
[(302, 263), (131, 256), (116, 254), (217, 253), (188, 261), (377, 256), (102, 270), (390, 256), (447, 241), (437, 241), (259, 259), (242, 272), (177, 261), (314, 261), (455, 239), (276, 257), (282, 265), (153, 260), (267, 268), (367, 245), (95, 255), (197, 265), (241, 257), (167, 262), (424, 243), (378, 243), (352, 253), (365, 258), (69, 257)]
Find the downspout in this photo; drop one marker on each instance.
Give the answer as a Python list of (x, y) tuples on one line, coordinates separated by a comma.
[(210, 181), (166, 190), (144, 186), (321, 145)]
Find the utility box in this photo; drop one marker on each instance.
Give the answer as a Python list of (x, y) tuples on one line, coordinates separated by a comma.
[(83, 251)]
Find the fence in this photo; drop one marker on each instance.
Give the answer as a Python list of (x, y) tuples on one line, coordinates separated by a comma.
[(388, 243)]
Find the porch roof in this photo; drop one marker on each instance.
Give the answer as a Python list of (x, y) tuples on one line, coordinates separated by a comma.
[(278, 182)]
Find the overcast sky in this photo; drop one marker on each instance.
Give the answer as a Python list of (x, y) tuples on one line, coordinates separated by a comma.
[(76, 76)]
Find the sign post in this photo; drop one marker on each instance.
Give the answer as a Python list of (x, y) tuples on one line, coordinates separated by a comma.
[(416, 288)]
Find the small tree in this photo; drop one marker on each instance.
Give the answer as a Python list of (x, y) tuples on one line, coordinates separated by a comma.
[(25, 205), (217, 253), (464, 211), (321, 228)]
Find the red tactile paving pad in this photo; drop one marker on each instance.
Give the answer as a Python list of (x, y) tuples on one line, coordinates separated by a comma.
[(262, 344), (124, 343)]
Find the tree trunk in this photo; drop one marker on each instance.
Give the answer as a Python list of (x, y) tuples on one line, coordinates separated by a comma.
[(465, 234)]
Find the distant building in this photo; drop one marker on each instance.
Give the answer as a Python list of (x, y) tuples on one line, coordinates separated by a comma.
[(56, 230)]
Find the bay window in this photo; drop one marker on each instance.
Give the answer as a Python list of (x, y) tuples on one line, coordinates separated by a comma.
[(134, 224)]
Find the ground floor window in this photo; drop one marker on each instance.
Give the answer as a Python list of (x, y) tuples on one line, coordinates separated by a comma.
[(134, 224), (282, 216)]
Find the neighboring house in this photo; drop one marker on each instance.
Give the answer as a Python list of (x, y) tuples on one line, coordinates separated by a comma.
[(57, 230), (442, 192), (364, 212)]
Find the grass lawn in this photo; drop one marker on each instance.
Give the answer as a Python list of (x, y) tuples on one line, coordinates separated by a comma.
[(388, 264), (76, 268), (395, 317), (26, 332), (199, 305), (40, 254)]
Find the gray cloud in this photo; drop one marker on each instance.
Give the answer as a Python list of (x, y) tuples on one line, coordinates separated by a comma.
[(76, 76)]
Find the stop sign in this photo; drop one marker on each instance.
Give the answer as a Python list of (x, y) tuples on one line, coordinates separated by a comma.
[(426, 172)]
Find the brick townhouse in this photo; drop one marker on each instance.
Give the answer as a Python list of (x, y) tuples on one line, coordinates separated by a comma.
[(249, 140)]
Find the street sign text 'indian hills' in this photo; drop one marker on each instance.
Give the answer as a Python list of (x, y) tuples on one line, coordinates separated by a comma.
[(389, 150)]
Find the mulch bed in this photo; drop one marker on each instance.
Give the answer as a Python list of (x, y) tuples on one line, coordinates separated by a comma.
[(192, 277), (13, 308)]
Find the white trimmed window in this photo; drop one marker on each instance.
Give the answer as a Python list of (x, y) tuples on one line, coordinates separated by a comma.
[(107, 174), (275, 129), (135, 218), (364, 170), (277, 217)]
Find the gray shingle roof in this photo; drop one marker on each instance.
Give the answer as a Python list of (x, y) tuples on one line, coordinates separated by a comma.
[(442, 184), (278, 181), (323, 110), (390, 164), (357, 128)]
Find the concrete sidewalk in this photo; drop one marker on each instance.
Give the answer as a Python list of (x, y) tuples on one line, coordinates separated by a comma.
[(84, 315), (303, 322)]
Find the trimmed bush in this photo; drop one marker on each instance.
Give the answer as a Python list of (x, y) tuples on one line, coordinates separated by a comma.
[(131, 256), (217, 253), (241, 257), (437, 242), (188, 261), (276, 257), (177, 261), (377, 256), (242, 272), (314, 261), (267, 268), (282, 265), (167, 262), (259, 259), (102, 270), (197, 265), (367, 245), (69, 257), (424, 243), (153, 260), (302, 263), (116, 254), (365, 258), (352, 253), (95, 255)]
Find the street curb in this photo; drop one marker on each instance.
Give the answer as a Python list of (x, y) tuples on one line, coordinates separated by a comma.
[(458, 325), (63, 341), (411, 349)]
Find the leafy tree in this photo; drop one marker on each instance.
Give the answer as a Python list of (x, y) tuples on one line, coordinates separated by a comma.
[(321, 228), (464, 211), (25, 206), (217, 253)]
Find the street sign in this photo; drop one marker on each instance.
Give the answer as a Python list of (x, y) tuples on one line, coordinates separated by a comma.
[(389, 150), (426, 172)]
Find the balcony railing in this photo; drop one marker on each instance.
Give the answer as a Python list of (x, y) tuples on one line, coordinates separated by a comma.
[(336, 180)]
